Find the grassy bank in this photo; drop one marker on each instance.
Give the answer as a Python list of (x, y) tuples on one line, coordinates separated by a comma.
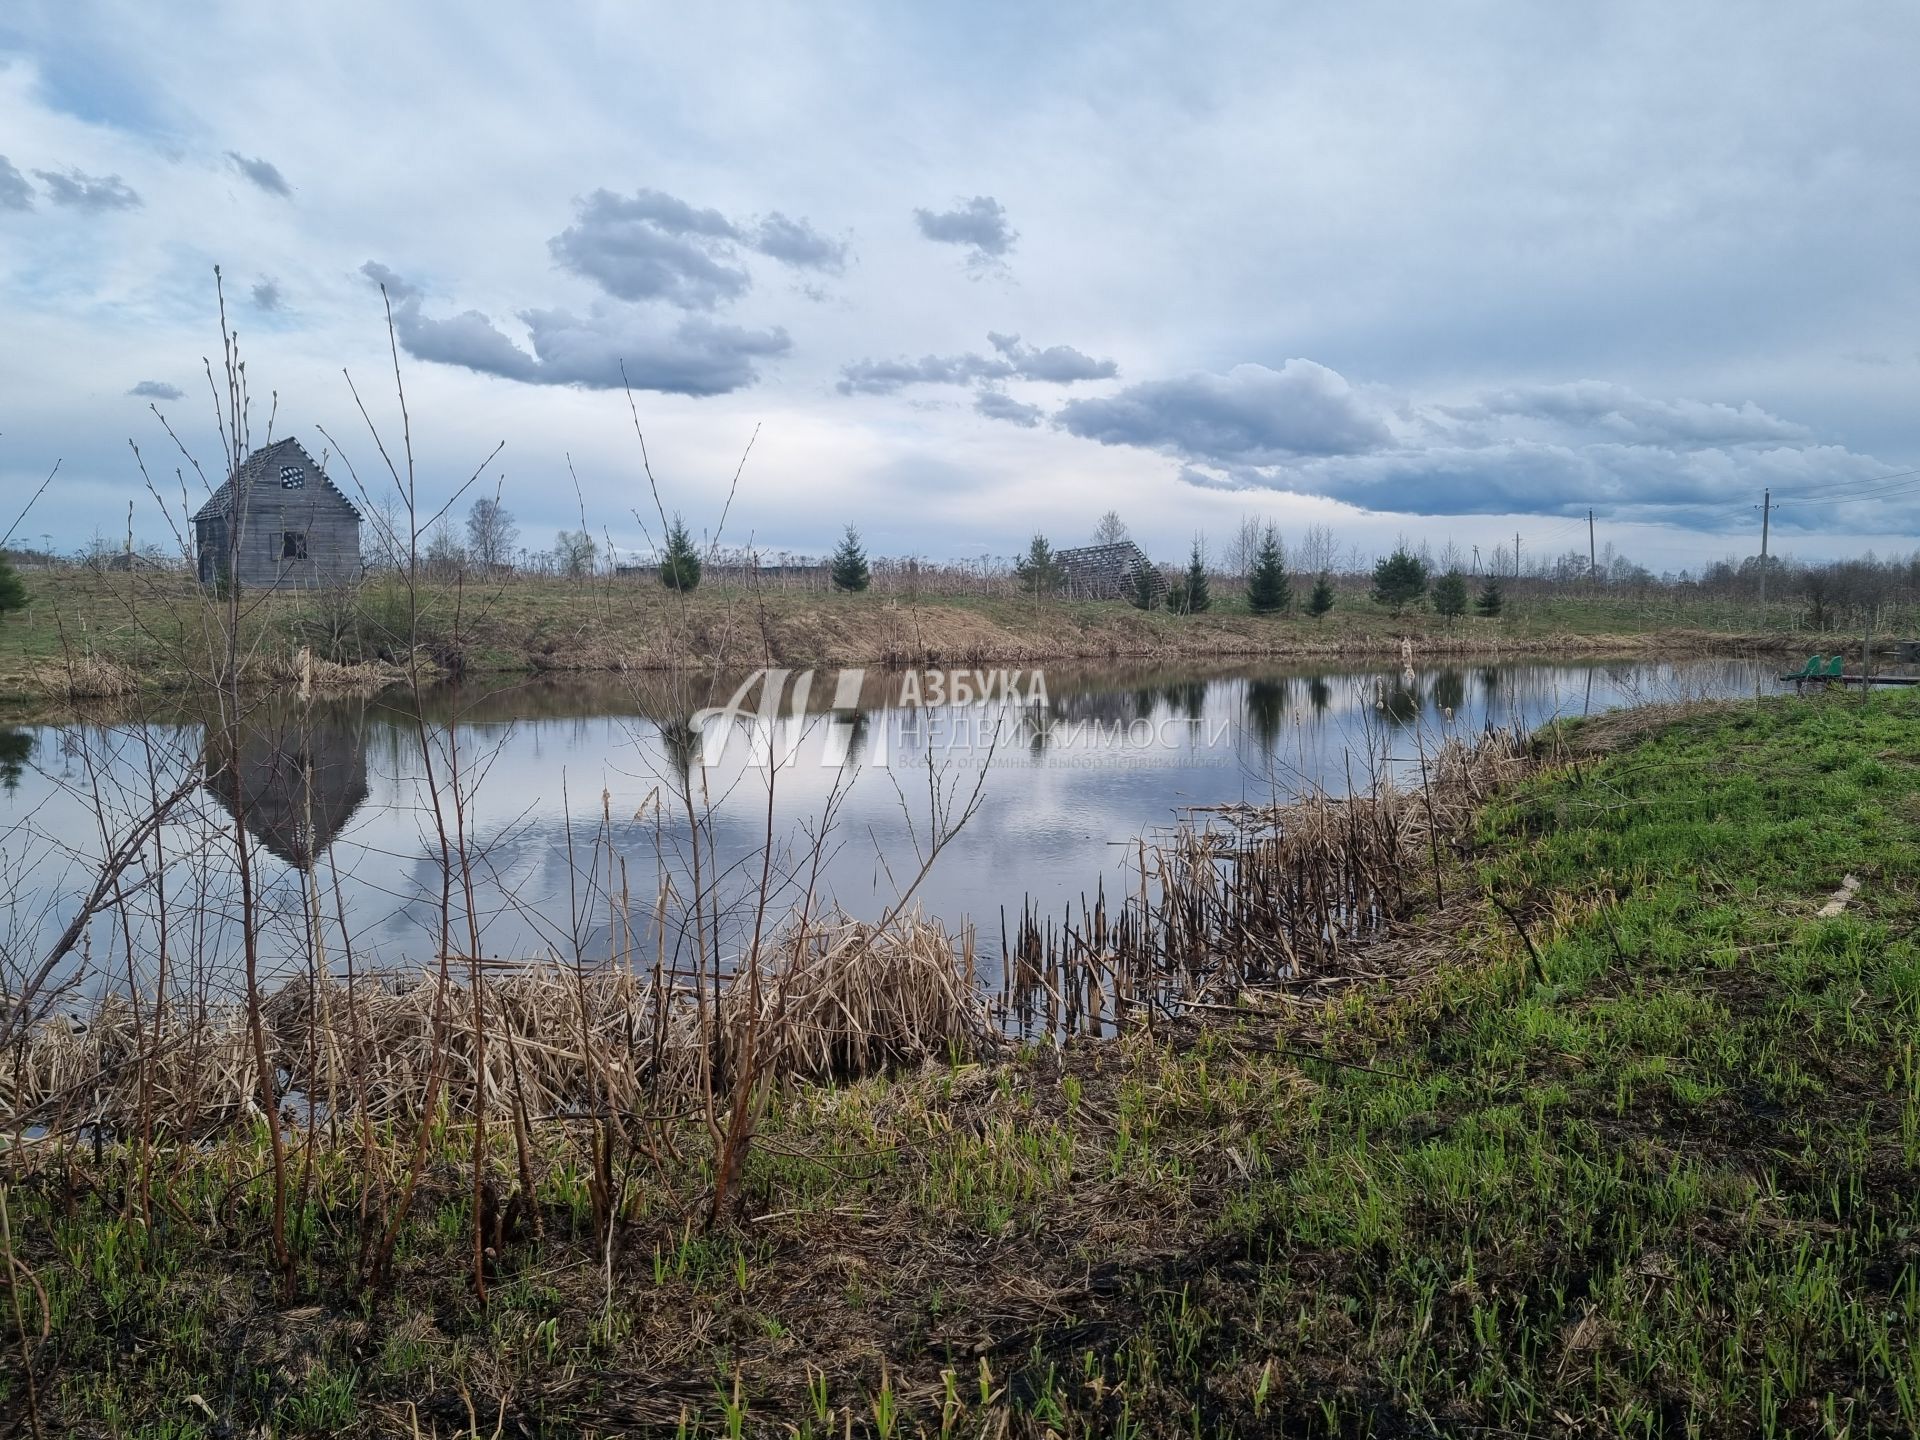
[(97, 633), (1631, 1151)]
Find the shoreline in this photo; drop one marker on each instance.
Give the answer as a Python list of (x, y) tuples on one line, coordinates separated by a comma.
[(97, 637), (49, 699)]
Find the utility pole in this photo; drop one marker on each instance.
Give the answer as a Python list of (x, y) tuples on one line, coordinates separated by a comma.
[(1593, 565), (1516, 554), (1766, 515)]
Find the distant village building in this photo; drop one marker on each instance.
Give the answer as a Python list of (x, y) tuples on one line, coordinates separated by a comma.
[(1107, 572), (278, 522), (123, 561)]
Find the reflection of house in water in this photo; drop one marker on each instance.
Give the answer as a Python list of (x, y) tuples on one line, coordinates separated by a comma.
[(296, 786)]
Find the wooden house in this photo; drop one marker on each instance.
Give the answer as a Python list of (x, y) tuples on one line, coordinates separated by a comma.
[(1107, 572), (278, 523)]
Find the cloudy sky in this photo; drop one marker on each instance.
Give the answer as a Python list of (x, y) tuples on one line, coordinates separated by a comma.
[(1443, 271)]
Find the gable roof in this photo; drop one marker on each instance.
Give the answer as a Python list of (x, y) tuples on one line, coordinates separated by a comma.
[(1104, 570), (265, 463)]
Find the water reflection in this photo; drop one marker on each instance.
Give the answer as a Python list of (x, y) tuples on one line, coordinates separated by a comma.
[(16, 747), (1266, 707), (1107, 756), (293, 784)]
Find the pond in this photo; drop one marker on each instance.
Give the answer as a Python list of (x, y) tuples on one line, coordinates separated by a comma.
[(568, 798)]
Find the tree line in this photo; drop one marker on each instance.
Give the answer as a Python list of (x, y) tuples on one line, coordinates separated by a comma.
[(1400, 580), (1253, 561)]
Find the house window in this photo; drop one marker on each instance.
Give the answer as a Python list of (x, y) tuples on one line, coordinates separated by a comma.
[(292, 477), (293, 545)]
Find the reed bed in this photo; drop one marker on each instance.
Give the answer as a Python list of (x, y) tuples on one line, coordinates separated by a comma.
[(86, 675), (833, 1000), (1243, 895)]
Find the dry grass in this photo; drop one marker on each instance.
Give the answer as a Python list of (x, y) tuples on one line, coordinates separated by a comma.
[(147, 623), (835, 1001), (84, 676)]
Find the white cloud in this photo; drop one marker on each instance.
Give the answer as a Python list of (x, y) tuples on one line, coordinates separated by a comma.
[(1519, 245)]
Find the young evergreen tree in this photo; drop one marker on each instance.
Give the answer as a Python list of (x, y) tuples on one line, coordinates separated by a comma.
[(680, 569), (1268, 589), (1196, 583), (1037, 571), (1491, 601), (13, 591), (850, 570), (1146, 593), (1399, 580), (1450, 595), (1321, 601)]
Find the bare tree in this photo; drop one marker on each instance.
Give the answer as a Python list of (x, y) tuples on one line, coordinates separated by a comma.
[(573, 552), (1111, 530), (445, 555), (1244, 546), (491, 533), (1319, 552)]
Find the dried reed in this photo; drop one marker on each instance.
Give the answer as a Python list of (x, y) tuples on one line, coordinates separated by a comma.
[(836, 1001), (1242, 895)]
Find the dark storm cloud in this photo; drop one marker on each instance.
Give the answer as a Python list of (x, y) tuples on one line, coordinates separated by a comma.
[(655, 246), (651, 246), (1057, 365), (15, 193), (397, 288), (667, 213), (884, 377), (1537, 449), (998, 405), (980, 224), (1616, 411), (694, 356), (81, 191), (797, 243), (1707, 488), (263, 173), (1251, 415), (155, 390), (267, 294)]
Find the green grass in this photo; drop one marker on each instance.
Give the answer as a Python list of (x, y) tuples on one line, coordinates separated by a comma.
[(1669, 1190), (1666, 1186)]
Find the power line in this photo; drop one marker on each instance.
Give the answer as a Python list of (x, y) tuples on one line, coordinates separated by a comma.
[(1900, 489), (1851, 489)]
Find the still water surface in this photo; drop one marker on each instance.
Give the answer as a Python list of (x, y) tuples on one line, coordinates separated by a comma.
[(562, 784)]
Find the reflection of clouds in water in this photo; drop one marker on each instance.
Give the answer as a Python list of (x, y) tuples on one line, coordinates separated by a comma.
[(1057, 821)]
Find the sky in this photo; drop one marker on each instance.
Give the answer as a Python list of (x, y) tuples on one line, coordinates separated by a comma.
[(964, 273)]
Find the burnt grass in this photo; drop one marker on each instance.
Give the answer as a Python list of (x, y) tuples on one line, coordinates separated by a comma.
[(1660, 1181)]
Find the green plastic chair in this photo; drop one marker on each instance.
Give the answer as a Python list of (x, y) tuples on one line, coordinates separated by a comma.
[(1814, 668), (1836, 667)]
